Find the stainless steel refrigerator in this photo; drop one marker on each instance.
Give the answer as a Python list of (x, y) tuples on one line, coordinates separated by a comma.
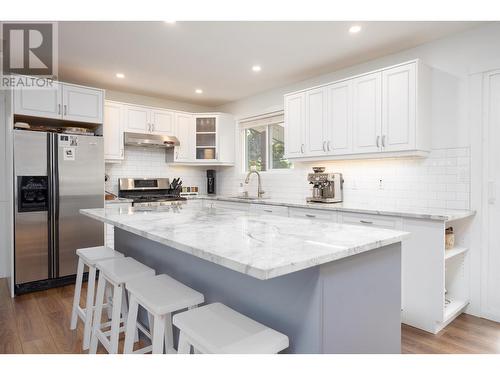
[(56, 175)]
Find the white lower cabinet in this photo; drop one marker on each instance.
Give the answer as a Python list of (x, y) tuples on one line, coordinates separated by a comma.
[(269, 209), (109, 230), (309, 213), (379, 221)]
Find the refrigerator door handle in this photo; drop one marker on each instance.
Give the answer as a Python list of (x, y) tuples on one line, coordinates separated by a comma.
[(55, 168)]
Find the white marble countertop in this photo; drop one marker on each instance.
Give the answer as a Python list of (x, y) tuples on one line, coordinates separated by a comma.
[(260, 245), (412, 212)]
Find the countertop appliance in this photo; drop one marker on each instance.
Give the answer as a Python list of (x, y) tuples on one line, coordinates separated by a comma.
[(56, 175), (327, 187), (151, 192), (211, 181)]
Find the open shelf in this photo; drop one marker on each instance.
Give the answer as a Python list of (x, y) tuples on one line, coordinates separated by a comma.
[(453, 308), (453, 252)]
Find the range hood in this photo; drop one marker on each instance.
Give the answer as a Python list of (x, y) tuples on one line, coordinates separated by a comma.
[(150, 140)]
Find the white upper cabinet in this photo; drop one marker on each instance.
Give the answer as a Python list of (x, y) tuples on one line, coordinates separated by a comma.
[(185, 132), (295, 125), (339, 117), (367, 109), (399, 118), (316, 124), (381, 113), (112, 131), (162, 122), (82, 104), (46, 103), (62, 102), (137, 119)]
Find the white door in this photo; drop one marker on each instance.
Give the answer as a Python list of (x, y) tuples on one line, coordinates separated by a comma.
[(367, 118), (490, 294), (185, 132), (316, 122), (46, 103), (137, 119), (399, 108), (112, 132), (82, 104), (295, 125), (339, 138), (162, 122)]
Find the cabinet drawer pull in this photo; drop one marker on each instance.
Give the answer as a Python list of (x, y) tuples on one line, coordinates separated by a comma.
[(268, 210), (366, 222), (310, 215)]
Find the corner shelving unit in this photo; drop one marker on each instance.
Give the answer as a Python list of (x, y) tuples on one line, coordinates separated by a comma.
[(456, 296)]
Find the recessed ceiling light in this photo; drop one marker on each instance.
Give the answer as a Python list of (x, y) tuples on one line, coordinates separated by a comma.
[(256, 68), (355, 29), (120, 75), (198, 91)]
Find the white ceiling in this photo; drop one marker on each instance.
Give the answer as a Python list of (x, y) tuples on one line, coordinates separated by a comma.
[(172, 60)]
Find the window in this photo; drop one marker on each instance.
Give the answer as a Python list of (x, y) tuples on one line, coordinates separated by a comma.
[(264, 144)]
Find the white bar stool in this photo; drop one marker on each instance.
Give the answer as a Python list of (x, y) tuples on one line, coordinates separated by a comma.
[(88, 257), (217, 329), (116, 272), (161, 296)]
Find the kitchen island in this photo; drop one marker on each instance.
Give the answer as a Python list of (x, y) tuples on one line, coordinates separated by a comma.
[(332, 288)]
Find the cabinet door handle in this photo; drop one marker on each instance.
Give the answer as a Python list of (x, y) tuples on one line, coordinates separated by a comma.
[(366, 222), (383, 141), (302, 148), (268, 210), (378, 141), (58, 109), (153, 127), (309, 215), (324, 144), (328, 145), (65, 110)]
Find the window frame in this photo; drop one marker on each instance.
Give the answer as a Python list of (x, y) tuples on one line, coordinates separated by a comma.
[(269, 163)]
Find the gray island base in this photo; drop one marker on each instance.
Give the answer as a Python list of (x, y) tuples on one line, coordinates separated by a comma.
[(351, 305)]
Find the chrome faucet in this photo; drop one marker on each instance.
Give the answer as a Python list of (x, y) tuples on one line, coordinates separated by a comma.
[(260, 192)]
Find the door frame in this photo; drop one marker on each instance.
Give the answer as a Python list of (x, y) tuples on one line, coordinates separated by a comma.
[(479, 131)]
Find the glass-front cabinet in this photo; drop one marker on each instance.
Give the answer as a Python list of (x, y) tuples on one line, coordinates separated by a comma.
[(206, 138)]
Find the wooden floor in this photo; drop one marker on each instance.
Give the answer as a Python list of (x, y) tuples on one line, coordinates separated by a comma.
[(39, 323)]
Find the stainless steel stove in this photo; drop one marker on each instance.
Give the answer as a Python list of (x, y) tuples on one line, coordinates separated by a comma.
[(151, 192)]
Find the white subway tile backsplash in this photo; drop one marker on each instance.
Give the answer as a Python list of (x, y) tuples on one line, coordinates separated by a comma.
[(441, 180), (143, 162)]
